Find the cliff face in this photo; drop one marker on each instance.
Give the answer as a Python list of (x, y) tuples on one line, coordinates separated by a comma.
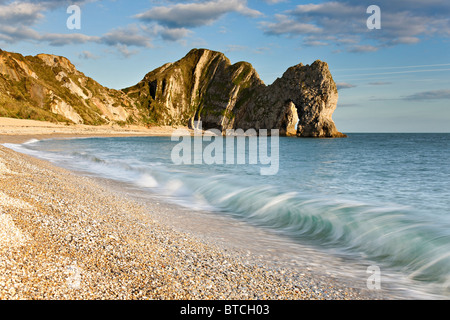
[(205, 86), (48, 87), (201, 86)]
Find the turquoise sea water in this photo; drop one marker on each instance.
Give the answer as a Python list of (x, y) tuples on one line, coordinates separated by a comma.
[(384, 198)]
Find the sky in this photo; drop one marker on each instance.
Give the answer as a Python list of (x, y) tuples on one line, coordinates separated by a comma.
[(393, 78)]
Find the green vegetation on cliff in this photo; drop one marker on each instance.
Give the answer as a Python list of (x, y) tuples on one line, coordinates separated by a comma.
[(46, 87)]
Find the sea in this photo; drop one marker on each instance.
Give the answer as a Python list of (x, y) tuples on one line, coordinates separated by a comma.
[(373, 206)]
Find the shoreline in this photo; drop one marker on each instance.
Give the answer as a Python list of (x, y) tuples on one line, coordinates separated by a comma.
[(22, 130), (66, 236)]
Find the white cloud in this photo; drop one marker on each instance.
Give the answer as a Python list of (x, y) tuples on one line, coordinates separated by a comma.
[(174, 22), (429, 95), (13, 34), (274, 1), (363, 48), (87, 55), (195, 14), (344, 85), (402, 22), (18, 13), (316, 43), (331, 9), (285, 25), (380, 83), (59, 39), (125, 52), (174, 34), (18, 20), (129, 36)]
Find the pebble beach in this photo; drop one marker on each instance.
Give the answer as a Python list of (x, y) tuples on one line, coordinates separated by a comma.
[(65, 236)]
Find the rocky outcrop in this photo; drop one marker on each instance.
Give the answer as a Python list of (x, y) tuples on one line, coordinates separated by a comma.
[(306, 94), (204, 86)]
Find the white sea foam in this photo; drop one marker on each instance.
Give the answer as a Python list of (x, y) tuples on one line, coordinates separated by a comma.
[(147, 181), (31, 141)]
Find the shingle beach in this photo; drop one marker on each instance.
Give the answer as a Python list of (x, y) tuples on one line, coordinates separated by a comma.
[(66, 236)]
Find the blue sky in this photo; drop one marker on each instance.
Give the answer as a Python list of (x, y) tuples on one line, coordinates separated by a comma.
[(393, 79)]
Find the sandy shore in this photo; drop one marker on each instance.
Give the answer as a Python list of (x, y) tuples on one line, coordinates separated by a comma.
[(20, 130), (66, 236)]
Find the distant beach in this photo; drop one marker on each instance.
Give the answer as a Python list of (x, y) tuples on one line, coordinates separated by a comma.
[(22, 130)]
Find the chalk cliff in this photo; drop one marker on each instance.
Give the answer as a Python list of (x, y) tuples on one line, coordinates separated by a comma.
[(204, 86)]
